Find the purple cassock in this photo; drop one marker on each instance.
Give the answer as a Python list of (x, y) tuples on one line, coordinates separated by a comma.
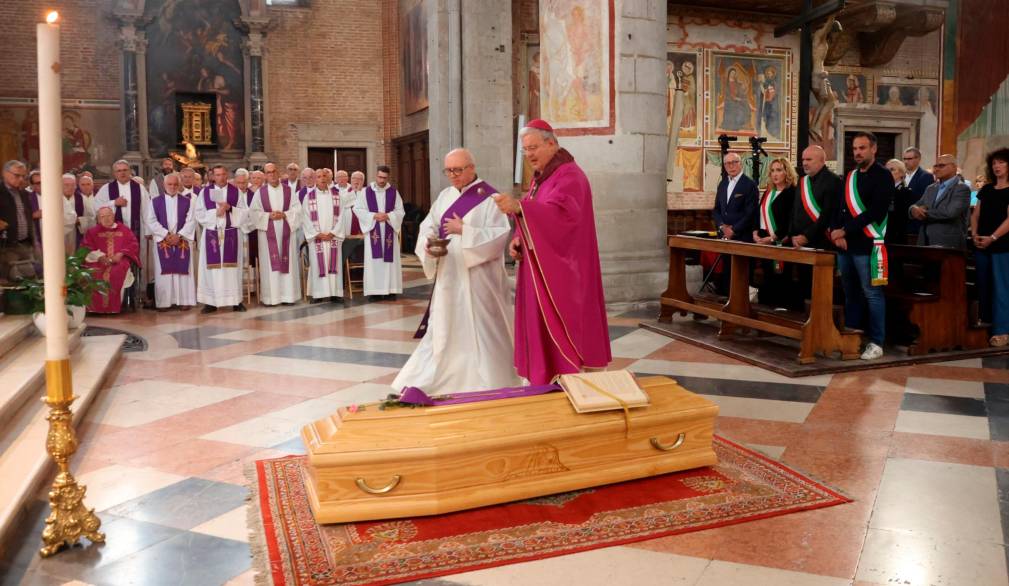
[(221, 255), (560, 312)]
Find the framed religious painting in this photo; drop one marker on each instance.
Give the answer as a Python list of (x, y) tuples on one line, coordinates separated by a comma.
[(576, 66), (413, 58), (683, 70), (750, 94)]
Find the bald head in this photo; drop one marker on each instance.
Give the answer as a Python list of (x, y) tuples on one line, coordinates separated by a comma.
[(813, 159), (944, 167), (460, 168)]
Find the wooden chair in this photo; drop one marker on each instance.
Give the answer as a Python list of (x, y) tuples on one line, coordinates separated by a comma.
[(354, 264)]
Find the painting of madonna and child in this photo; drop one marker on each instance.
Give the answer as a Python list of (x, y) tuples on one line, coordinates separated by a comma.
[(749, 96)]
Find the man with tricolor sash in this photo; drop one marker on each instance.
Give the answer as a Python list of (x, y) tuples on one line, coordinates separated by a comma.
[(858, 230), (817, 195), (276, 214), (380, 213)]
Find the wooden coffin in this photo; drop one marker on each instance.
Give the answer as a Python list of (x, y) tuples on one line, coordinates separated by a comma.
[(402, 462)]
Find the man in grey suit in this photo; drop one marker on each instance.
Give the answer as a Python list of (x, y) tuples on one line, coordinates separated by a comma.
[(943, 209)]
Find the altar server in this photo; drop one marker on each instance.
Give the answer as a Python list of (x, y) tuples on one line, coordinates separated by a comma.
[(467, 333), (276, 214), (324, 226), (221, 211), (172, 224), (380, 213)]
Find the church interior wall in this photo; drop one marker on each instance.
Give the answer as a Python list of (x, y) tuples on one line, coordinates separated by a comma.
[(92, 85), (313, 56)]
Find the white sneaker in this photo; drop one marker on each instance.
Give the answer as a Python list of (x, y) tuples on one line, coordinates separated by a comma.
[(872, 352)]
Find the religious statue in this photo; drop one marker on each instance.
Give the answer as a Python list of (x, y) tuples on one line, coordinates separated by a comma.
[(825, 96)]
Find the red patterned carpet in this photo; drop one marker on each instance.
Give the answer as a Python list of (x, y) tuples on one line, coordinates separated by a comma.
[(292, 549)]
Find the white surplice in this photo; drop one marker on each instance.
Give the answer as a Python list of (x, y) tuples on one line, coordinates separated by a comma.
[(380, 277), (276, 287), (69, 225), (469, 343), (219, 286), (88, 220), (330, 284), (172, 290)]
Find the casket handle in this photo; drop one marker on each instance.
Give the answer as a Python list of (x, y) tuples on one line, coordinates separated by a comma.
[(385, 489), (668, 448)]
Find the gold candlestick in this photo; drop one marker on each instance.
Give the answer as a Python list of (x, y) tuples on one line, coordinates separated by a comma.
[(69, 519)]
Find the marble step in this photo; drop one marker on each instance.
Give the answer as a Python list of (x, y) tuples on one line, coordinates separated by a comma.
[(24, 463), (13, 329), (22, 370)]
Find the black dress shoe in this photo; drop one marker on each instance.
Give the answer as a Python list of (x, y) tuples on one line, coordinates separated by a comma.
[(390, 297), (337, 300), (239, 307), (208, 309)]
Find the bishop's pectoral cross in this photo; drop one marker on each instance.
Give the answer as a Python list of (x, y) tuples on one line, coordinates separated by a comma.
[(804, 22)]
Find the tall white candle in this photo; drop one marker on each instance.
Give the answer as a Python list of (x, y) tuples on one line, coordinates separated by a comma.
[(51, 167)]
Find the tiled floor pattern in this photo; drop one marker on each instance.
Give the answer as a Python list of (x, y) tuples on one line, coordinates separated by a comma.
[(923, 450)]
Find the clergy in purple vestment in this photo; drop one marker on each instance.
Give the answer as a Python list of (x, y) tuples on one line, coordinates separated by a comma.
[(560, 312)]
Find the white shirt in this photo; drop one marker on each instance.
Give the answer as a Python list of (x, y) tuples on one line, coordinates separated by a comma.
[(731, 187), (909, 176)]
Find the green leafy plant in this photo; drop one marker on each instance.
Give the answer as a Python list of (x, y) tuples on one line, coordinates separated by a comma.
[(81, 284)]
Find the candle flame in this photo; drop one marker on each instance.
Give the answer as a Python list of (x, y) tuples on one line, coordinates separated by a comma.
[(52, 17)]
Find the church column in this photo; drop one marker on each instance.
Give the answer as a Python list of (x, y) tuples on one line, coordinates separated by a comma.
[(129, 42), (255, 102)]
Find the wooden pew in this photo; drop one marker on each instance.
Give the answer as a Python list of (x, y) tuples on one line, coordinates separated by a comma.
[(817, 335), (935, 300)]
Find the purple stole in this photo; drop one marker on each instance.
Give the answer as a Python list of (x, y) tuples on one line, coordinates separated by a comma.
[(216, 257), (382, 235), (313, 214), (174, 260), (280, 260), (34, 201), (301, 194), (135, 204), (469, 199), (254, 235), (79, 209)]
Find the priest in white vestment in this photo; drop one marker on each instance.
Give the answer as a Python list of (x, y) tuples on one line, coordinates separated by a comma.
[(76, 206), (276, 215), (171, 221), (467, 340), (221, 210), (86, 190), (69, 221), (157, 185), (380, 212), (324, 225)]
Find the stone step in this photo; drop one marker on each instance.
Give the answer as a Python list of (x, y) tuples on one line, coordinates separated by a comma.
[(13, 329), (22, 370), (24, 463)]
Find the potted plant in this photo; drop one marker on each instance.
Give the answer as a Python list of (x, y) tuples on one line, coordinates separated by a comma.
[(80, 284)]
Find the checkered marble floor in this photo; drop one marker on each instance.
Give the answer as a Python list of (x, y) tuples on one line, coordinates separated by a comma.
[(924, 450)]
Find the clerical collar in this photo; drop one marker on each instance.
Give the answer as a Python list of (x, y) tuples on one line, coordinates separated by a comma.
[(128, 181), (474, 182)]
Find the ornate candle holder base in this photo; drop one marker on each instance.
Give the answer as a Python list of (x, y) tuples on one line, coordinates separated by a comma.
[(70, 519)]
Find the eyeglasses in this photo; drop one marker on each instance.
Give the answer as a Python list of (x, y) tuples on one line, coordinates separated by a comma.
[(454, 171), (909, 158), (940, 165), (733, 162)]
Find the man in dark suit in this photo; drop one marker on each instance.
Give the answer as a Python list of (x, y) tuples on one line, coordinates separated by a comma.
[(17, 250), (942, 210), (736, 202), (916, 179)]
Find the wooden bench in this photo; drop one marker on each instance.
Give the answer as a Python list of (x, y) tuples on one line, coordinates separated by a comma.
[(934, 299), (818, 334)]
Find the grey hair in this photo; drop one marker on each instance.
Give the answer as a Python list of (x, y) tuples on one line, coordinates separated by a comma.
[(915, 150), (178, 177), (86, 177), (122, 162), (257, 172), (70, 176), (13, 164), (357, 174), (544, 134), (307, 170), (465, 152), (241, 172)]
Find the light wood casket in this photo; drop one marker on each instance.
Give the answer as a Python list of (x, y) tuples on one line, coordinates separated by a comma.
[(402, 462)]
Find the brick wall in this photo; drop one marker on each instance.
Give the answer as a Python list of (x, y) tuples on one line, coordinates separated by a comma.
[(313, 51), (89, 56)]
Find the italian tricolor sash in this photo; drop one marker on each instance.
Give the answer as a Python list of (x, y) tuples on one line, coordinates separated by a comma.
[(767, 221), (808, 201), (878, 267)]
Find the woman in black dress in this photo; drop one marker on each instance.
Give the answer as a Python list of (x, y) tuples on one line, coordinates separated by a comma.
[(989, 225), (775, 213)]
